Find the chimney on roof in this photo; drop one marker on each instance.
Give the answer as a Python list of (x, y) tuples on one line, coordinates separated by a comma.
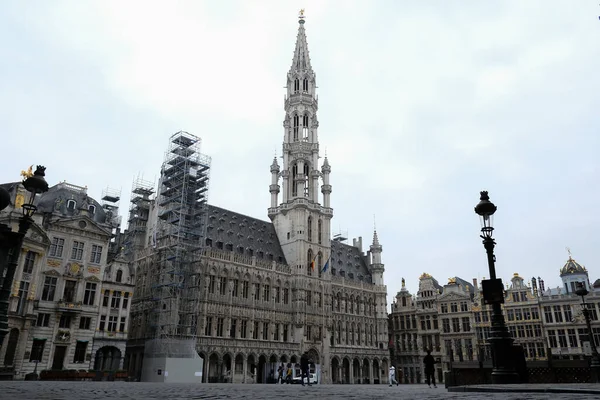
[(357, 243), (475, 284)]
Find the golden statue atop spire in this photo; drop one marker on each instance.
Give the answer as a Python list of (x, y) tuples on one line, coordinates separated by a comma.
[(28, 173), (301, 15), (568, 251)]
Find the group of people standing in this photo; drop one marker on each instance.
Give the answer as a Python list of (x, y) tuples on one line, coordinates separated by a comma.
[(429, 363), (286, 373)]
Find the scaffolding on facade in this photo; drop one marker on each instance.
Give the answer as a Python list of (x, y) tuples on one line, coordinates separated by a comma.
[(110, 204), (178, 240)]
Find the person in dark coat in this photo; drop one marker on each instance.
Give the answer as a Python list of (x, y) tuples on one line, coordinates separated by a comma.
[(304, 366), (429, 362)]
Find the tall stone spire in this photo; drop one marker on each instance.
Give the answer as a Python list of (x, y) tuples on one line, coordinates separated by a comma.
[(301, 220), (301, 60), (377, 267)]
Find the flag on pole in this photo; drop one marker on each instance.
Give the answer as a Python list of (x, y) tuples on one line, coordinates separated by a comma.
[(326, 265), (312, 263)]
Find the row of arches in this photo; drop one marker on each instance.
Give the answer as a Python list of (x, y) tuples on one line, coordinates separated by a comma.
[(262, 368)]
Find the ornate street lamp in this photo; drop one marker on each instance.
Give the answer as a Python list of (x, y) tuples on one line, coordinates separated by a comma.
[(11, 242), (493, 293), (595, 364)]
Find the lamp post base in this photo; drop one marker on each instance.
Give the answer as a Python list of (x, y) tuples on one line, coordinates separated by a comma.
[(504, 376)]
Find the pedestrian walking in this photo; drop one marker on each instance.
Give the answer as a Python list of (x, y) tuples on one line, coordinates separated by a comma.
[(304, 366), (392, 376), (429, 362)]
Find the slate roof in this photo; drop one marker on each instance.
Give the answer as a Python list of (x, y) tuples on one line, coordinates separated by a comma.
[(349, 262), (234, 231), (55, 201)]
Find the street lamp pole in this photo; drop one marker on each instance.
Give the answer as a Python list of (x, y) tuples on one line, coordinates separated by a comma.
[(503, 370), (595, 362), (11, 242)]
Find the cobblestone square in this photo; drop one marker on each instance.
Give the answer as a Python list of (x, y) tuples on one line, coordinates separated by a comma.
[(17, 390)]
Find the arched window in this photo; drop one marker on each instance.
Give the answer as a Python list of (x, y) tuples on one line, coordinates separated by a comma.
[(296, 85), (294, 180), (339, 332), (320, 262), (310, 261), (319, 231), (359, 341), (71, 204), (296, 126), (92, 209), (119, 277), (305, 85), (309, 229), (305, 128)]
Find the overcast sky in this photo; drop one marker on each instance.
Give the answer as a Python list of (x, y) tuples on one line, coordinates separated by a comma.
[(421, 106)]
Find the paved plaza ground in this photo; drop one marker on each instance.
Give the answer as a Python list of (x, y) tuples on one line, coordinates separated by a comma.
[(16, 390)]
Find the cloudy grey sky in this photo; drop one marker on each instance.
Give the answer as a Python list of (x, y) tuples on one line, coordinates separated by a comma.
[(422, 105)]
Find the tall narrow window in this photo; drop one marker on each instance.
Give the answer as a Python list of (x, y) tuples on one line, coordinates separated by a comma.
[(296, 85), (29, 262), (306, 182), (309, 229), (305, 128), (70, 291), (49, 288), (294, 180), (77, 251), (319, 262), (56, 248), (319, 231), (90, 294), (23, 292), (119, 277), (305, 85), (310, 261), (296, 127)]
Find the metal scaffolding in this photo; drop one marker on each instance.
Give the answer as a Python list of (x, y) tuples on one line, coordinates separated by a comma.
[(110, 204), (178, 239)]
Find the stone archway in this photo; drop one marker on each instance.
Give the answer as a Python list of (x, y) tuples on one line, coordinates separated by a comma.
[(376, 372), (11, 347), (365, 371), (261, 374), (346, 371), (108, 358), (251, 374), (238, 369), (226, 369), (213, 368), (355, 371), (335, 370)]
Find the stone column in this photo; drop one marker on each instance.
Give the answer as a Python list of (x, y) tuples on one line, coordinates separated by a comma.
[(371, 381), (245, 369)]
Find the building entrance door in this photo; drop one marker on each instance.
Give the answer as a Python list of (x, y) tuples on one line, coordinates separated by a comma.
[(59, 357)]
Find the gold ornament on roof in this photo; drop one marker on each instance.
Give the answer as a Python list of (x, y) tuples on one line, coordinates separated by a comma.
[(302, 12), (451, 281), (424, 275), (28, 173)]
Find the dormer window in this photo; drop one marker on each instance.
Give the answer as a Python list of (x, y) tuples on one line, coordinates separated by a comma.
[(119, 277), (71, 204), (92, 209)]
